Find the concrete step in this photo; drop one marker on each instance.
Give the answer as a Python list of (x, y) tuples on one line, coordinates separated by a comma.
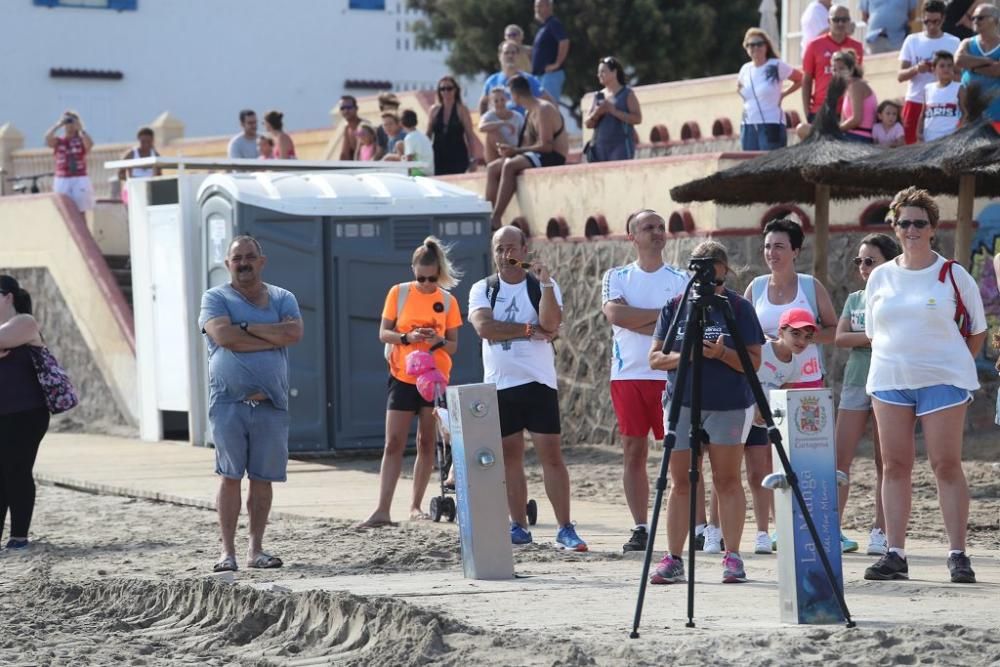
[(121, 269)]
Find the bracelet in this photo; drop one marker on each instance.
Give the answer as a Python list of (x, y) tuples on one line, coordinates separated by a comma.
[(529, 330), (403, 340), (438, 345), (549, 285)]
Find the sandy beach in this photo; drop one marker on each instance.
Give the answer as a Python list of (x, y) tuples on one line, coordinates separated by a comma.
[(113, 580)]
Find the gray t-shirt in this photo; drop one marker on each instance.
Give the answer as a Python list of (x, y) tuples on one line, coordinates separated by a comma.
[(241, 147), (232, 375), (510, 131)]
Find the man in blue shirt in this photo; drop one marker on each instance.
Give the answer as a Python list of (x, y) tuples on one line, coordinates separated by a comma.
[(549, 50), (249, 326), (888, 23), (509, 53)]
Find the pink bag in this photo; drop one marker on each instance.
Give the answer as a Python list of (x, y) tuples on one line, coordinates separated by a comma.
[(431, 384), (419, 362)]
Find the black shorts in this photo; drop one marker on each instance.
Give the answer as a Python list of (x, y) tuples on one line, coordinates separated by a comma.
[(533, 406), (405, 397), (758, 437), (550, 159)]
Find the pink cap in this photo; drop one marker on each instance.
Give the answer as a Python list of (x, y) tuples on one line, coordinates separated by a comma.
[(797, 318)]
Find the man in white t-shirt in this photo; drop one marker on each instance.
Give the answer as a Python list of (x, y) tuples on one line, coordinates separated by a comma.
[(632, 297), (814, 22), (915, 64), (517, 313)]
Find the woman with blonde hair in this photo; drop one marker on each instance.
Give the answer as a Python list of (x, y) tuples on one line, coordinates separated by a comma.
[(417, 315), (761, 85)]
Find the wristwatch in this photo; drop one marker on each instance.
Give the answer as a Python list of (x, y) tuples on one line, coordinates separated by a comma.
[(244, 325), (404, 340)]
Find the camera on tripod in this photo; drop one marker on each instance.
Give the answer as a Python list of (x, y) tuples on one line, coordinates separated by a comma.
[(703, 269)]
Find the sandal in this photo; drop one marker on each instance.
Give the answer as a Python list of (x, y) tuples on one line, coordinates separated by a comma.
[(265, 561), (420, 516), (227, 564)]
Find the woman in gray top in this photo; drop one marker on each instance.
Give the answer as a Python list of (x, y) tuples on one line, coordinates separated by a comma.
[(613, 115)]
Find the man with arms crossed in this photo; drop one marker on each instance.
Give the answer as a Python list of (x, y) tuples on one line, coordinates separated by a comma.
[(517, 314), (632, 297), (249, 326)]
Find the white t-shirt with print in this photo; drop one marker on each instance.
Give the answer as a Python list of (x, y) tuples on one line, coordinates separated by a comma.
[(773, 372), (941, 111), (909, 317), (918, 48), (640, 289), (766, 81), (512, 363), (417, 146), (769, 315), (815, 19)]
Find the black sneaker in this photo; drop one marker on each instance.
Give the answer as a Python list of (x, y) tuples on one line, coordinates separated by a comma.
[(699, 541), (638, 540), (889, 566), (961, 569)]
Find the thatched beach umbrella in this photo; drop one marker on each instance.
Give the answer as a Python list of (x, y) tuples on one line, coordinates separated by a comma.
[(776, 177), (936, 166)]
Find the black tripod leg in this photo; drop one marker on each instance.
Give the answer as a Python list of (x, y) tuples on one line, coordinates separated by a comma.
[(670, 437), (696, 335), (793, 482)]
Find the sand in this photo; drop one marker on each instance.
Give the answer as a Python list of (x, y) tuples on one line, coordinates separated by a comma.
[(120, 581)]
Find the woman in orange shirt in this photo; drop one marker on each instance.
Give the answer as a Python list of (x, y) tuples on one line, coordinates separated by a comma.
[(419, 315)]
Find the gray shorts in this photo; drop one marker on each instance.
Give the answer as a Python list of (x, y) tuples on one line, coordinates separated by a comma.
[(724, 427), (855, 398), (250, 439)]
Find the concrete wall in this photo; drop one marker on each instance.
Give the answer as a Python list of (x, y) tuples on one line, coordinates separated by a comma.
[(81, 302)]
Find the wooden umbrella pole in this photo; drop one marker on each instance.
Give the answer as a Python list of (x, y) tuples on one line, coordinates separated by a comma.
[(963, 230), (821, 243)]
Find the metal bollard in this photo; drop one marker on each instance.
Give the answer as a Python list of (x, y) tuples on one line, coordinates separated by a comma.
[(805, 418), (480, 484)]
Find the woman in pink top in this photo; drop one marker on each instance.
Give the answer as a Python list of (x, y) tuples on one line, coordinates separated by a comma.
[(858, 107), (284, 147)]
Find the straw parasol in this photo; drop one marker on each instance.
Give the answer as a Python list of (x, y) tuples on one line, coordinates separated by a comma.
[(776, 177), (942, 166)]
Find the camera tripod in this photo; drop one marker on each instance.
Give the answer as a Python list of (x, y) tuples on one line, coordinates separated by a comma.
[(701, 296)]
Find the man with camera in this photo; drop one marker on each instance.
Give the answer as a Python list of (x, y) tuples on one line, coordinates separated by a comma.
[(70, 151), (631, 298), (517, 312)]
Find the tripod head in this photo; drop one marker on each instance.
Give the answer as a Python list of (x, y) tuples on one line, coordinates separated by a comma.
[(704, 281)]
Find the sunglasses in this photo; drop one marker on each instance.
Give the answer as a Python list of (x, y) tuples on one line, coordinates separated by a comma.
[(867, 261), (931, 21), (518, 263), (446, 89), (427, 279), (752, 45), (512, 34), (841, 19), (919, 224), (981, 17), (347, 107)]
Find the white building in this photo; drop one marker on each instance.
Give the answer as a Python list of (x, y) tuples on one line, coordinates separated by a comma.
[(120, 63)]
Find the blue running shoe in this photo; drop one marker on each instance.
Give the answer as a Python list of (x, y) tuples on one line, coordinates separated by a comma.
[(518, 535), (17, 544), (847, 545), (569, 540)]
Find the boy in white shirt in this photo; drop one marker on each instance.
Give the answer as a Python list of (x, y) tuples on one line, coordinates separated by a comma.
[(414, 147), (942, 110)]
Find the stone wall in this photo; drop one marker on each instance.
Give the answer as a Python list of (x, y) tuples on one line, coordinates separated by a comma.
[(583, 352), (98, 411)]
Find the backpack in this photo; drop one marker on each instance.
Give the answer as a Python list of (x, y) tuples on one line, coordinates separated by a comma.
[(404, 291), (962, 319)]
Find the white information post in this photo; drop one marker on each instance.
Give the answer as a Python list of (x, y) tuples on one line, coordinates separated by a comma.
[(480, 484), (805, 418)]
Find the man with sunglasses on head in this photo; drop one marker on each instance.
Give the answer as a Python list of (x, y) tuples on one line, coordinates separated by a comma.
[(817, 69), (915, 64), (517, 313), (631, 299), (349, 112), (979, 57)]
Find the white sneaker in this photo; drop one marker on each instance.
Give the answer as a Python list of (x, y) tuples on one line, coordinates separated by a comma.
[(878, 543), (713, 539), (762, 545)]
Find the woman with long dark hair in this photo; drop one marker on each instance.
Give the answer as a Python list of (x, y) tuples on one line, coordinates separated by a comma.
[(284, 147), (24, 415), (613, 115), (450, 130)]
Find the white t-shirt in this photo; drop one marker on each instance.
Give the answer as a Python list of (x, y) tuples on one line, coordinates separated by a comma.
[(769, 314), (941, 111), (510, 129), (773, 372), (630, 349), (909, 317), (511, 363), (766, 81), (417, 144), (918, 48), (815, 19)]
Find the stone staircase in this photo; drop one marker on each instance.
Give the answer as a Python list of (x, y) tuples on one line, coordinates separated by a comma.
[(121, 268)]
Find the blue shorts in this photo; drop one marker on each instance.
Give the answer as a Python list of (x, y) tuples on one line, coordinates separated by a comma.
[(251, 438), (926, 400)]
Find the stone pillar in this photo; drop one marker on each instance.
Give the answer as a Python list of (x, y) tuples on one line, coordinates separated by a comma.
[(11, 140), (168, 128)]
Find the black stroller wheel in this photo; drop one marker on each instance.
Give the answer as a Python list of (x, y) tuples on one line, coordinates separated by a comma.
[(450, 511), (436, 508), (532, 512)]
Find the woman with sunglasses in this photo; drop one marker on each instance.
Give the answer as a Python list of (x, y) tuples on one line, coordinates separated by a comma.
[(761, 85), (855, 404), (449, 128), (514, 33), (727, 412), (418, 315), (613, 115), (923, 367)]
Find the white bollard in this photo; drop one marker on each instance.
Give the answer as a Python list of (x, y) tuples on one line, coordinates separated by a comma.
[(480, 484), (805, 418)]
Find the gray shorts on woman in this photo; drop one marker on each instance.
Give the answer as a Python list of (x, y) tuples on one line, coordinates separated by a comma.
[(724, 427), (251, 438)]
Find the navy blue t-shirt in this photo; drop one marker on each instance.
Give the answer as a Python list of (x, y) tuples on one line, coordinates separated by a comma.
[(545, 50), (722, 388)]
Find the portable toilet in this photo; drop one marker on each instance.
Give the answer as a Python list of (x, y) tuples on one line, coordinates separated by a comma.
[(339, 241)]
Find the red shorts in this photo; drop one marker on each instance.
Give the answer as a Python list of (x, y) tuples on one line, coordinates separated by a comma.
[(913, 113), (638, 406)]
